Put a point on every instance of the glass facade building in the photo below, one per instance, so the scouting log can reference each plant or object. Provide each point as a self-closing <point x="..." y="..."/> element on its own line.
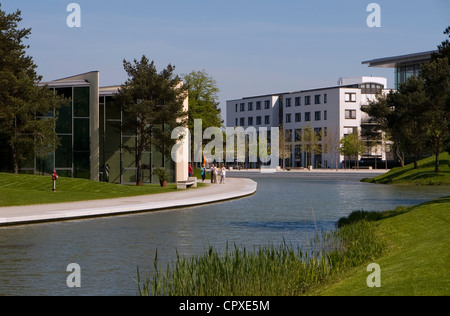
<point x="405" y="66"/>
<point x="93" y="143"/>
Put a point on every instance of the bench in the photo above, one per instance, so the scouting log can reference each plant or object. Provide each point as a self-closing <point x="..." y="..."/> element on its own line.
<point x="190" y="182"/>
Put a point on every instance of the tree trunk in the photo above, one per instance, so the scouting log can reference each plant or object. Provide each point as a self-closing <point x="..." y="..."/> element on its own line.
<point x="15" y="161"/>
<point x="399" y="156"/>
<point x="438" y="151"/>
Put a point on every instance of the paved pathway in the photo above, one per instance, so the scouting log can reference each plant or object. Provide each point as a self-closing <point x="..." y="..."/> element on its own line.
<point x="234" y="188"/>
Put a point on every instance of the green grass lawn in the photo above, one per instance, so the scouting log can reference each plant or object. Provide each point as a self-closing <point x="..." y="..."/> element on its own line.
<point x="417" y="261"/>
<point x="27" y="189"/>
<point x="425" y="175"/>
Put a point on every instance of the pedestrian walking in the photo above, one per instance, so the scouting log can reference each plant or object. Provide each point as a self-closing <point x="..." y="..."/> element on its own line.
<point x="216" y="174"/>
<point x="203" y="173"/>
<point x="212" y="173"/>
<point x="191" y="171"/>
<point x="224" y="173"/>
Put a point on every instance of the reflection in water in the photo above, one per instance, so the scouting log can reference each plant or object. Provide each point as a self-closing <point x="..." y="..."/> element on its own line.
<point x="33" y="259"/>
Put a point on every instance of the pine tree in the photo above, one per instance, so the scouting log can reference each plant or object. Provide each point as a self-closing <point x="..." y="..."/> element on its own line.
<point x="21" y="99"/>
<point x="153" y="103"/>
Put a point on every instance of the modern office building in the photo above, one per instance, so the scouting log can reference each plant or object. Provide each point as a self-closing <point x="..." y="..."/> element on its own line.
<point x="92" y="142"/>
<point x="405" y="65"/>
<point x="330" y="112"/>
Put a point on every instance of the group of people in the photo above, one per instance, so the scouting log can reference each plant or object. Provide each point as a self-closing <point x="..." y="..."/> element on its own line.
<point x="218" y="175"/>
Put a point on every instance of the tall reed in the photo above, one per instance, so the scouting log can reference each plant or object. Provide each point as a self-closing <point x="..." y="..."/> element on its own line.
<point x="282" y="270"/>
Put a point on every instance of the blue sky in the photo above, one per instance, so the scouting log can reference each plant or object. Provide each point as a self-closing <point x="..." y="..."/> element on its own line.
<point x="250" y="47"/>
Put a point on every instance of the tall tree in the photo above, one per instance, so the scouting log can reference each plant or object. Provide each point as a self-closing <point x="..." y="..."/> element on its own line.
<point x="436" y="76"/>
<point x="21" y="99"/>
<point x="153" y="103"/>
<point x="410" y="105"/>
<point x="203" y="101"/>
<point x="310" y="144"/>
<point x="352" y="146"/>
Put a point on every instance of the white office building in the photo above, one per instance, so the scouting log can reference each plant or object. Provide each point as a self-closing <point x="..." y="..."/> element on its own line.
<point x="330" y="112"/>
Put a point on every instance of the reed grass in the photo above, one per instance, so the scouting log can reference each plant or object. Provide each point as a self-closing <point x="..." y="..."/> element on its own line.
<point x="273" y="270"/>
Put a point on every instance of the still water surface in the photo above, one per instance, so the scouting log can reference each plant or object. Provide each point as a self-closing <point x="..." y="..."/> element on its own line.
<point x="33" y="259"/>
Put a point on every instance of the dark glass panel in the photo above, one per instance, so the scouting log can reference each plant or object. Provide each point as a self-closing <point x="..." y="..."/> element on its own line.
<point x="112" y="109"/>
<point x="81" y="165"/>
<point x="81" y="102"/>
<point x="81" y="135"/>
<point x="63" y="154"/>
<point x="64" y="121"/>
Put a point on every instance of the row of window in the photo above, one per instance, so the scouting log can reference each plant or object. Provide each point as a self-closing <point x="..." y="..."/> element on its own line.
<point x="296" y="135"/>
<point x="318" y="98"/>
<point x="307" y="116"/>
<point x="349" y="115"/>
<point x="251" y="122"/>
<point x="258" y="106"/>
<point x="297" y="101"/>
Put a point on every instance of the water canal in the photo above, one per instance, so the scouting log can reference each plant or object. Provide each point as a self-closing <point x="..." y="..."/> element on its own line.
<point x="33" y="259"/>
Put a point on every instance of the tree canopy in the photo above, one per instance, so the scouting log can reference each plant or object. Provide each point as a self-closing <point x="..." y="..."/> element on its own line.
<point x="27" y="112"/>
<point x="154" y="104"/>
<point x="417" y="116"/>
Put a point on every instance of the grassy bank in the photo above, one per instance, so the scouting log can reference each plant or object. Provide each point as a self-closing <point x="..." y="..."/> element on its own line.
<point x="417" y="259"/>
<point x="410" y="244"/>
<point x="27" y="189"/>
<point x="425" y="175"/>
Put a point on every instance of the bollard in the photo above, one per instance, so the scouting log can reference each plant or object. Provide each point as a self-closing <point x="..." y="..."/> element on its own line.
<point x="54" y="178"/>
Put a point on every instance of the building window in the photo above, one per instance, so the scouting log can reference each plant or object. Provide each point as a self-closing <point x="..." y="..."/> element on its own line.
<point x="298" y="135"/>
<point x="350" y="114"/>
<point x="250" y="106"/>
<point x="288" y="118"/>
<point x="325" y="98"/>
<point x="250" y="121"/>
<point x="242" y="107"/>
<point x="318" y="132"/>
<point x="267" y="119"/>
<point x="236" y="108"/>
<point x="317" y="116"/>
<point x="307" y="116"/>
<point x="298" y="117"/>
<point x="258" y="105"/>
<point x="350" y="97"/>
<point x="298" y="101"/>
<point x="371" y="88"/>
<point x="288" y="135"/>
<point x="258" y="120"/>
<point x="325" y="115"/>
<point x="236" y="122"/>
<point x="267" y="104"/>
<point x="307" y="100"/>
<point x="317" y="99"/>
<point x="242" y="123"/>
<point x="288" y="102"/>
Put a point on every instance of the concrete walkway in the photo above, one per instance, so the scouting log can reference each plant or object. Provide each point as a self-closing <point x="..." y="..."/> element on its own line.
<point x="233" y="189"/>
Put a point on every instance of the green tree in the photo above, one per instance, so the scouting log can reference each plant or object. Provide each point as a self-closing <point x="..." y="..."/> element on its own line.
<point x="203" y="101"/>
<point x="436" y="76"/>
<point x="21" y="99"/>
<point x="310" y="143"/>
<point x="154" y="103"/>
<point x="410" y="104"/>
<point x="352" y="146"/>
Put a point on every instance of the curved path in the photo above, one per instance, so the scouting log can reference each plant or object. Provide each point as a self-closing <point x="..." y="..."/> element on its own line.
<point x="233" y="189"/>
